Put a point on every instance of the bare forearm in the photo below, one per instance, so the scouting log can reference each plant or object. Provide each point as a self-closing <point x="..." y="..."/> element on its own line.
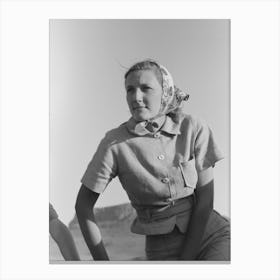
<point x="61" y="234"/>
<point x="86" y="200"/>
<point x="200" y="215"/>
<point x="92" y="237"/>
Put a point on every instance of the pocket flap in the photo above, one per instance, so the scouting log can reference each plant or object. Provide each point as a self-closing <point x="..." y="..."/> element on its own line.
<point x="189" y="172"/>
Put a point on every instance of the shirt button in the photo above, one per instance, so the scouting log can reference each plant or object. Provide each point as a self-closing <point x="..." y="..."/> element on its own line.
<point x="165" y="180"/>
<point x="156" y="135"/>
<point x="161" y="157"/>
<point x="171" y="201"/>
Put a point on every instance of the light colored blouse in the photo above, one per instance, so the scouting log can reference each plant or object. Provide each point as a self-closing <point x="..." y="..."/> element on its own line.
<point x="156" y="169"/>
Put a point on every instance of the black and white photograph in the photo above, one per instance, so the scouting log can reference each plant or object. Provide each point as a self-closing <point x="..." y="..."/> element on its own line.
<point x="148" y="133"/>
<point x="139" y="140"/>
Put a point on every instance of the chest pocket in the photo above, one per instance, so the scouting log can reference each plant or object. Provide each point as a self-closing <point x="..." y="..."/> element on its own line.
<point x="189" y="172"/>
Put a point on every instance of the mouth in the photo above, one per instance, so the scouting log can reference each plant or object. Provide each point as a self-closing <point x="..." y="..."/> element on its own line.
<point x="139" y="107"/>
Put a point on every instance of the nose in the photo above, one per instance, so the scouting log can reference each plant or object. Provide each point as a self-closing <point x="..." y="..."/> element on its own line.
<point x="138" y="95"/>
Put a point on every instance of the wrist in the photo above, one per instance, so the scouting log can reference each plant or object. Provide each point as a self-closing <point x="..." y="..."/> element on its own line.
<point x="99" y="252"/>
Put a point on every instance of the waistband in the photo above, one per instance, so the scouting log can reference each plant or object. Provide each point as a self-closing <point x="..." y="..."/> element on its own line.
<point x="149" y="214"/>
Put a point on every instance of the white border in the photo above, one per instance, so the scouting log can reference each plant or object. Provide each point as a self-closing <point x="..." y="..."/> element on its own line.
<point x="254" y="143"/>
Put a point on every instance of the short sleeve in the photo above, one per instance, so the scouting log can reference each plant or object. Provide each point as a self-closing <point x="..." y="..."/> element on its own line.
<point x="206" y="150"/>
<point x="101" y="169"/>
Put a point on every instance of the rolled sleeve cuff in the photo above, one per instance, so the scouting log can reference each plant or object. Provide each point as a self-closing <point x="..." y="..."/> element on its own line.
<point x="93" y="184"/>
<point x="208" y="162"/>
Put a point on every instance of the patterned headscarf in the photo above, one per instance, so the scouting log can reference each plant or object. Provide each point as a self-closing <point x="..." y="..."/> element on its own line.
<point x="172" y="97"/>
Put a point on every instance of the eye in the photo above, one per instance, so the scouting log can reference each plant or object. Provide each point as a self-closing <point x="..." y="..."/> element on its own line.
<point x="146" y="88"/>
<point x="129" y="89"/>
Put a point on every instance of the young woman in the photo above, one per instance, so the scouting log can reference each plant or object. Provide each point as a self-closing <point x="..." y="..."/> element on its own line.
<point x="164" y="160"/>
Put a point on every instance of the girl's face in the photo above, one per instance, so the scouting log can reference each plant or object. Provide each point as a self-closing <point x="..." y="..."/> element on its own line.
<point x="143" y="94"/>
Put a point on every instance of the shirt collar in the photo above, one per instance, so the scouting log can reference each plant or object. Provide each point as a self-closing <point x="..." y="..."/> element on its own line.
<point x="169" y="127"/>
<point x="130" y="125"/>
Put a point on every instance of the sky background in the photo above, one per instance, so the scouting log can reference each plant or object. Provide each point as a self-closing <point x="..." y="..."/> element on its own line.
<point x="88" y="59"/>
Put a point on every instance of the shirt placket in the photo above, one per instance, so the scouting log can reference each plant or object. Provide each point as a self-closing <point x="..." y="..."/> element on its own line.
<point x="168" y="180"/>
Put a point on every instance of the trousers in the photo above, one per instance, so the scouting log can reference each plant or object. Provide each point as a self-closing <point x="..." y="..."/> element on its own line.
<point x="215" y="245"/>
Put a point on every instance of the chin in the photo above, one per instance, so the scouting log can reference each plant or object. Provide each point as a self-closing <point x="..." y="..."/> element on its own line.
<point x="140" y="118"/>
